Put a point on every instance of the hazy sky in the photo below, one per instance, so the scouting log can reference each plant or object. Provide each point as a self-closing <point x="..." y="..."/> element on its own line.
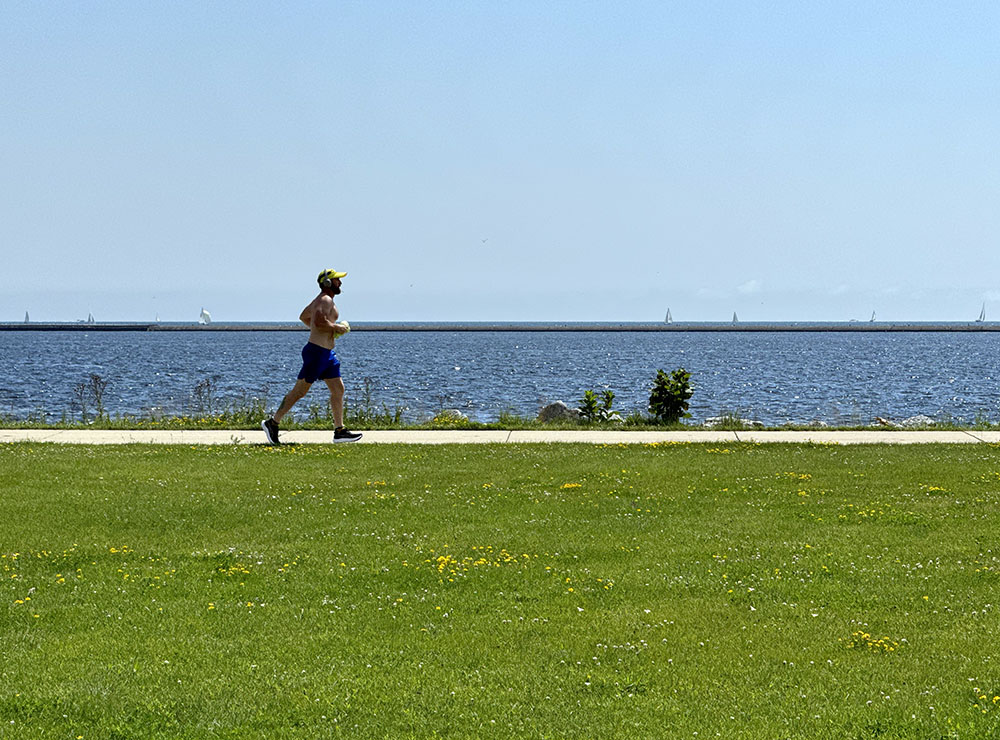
<point x="500" y="160"/>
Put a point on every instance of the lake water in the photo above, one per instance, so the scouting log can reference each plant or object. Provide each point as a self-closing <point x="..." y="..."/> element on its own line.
<point x="775" y="377"/>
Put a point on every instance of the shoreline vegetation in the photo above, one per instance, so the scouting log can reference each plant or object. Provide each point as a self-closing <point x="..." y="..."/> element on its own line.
<point x="206" y="410"/>
<point x="189" y="424"/>
<point x="242" y="419"/>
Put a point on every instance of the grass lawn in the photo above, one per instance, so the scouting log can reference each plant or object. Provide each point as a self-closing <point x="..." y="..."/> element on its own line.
<point x="536" y="591"/>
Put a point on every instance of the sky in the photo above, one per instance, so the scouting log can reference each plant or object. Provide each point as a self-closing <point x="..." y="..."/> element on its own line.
<point x="500" y="161"/>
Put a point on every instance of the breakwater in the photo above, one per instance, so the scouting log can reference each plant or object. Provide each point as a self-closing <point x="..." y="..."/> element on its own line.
<point x="539" y="326"/>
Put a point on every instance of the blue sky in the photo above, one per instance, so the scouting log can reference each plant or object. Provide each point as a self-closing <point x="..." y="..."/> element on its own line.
<point x="500" y="161"/>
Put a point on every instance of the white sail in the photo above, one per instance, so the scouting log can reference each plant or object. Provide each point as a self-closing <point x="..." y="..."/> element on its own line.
<point x="205" y="318"/>
<point x="669" y="318"/>
<point x="982" y="314"/>
<point x="26" y="319"/>
<point x="90" y="318"/>
<point x="734" y="317"/>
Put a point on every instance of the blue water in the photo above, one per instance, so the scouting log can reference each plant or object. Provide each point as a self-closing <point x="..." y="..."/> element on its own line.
<point x="778" y="377"/>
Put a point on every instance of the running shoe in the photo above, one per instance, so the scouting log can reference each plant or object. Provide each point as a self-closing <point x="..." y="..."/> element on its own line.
<point x="270" y="427"/>
<point x="343" y="434"/>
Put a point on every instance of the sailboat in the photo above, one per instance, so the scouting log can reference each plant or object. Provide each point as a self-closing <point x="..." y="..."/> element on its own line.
<point x="205" y="318"/>
<point x="735" y="320"/>
<point x="90" y="318"/>
<point x="872" y="319"/>
<point x="982" y="314"/>
<point x="26" y="319"/>
<point x="669" y="319"/>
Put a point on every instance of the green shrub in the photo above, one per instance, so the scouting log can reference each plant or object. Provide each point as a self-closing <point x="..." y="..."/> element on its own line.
<point x="668" y="401"/>
<point x="588" y="406"/>
<point x="591" y="409"/>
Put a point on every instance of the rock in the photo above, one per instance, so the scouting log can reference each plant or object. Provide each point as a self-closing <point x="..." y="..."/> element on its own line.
<point x="735" y="421"/>
<point x="918" y="421"/>
<point x="450" y="415"/>
<point x="558" y="411"/>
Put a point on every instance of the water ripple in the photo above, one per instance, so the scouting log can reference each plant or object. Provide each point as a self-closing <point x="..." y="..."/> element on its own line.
<point x="838" y="378"/>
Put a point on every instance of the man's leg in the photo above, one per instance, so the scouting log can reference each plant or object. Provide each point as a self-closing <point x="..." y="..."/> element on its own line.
<point x="270" y="426"/>
<point x="336" y="386"/>
<point x="293" y="396"/>
<point x="340" y="434"/>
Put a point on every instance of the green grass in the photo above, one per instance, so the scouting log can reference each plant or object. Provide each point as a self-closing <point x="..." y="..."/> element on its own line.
<point x="549" y="591"/>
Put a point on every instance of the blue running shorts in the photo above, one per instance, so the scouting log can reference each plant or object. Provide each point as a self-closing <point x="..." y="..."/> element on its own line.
<point x="318" y="363"/>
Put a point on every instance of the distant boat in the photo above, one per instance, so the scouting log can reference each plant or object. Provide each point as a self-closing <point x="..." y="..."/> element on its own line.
<point x="669" y="319"/>
<point x="26" y="319"/>
<point x="982" y="314"/>
<point x="205" y="318"/>
<point x="872" y="319"/>
<point x="90" y="318"/>
<point x="735" y="320"/>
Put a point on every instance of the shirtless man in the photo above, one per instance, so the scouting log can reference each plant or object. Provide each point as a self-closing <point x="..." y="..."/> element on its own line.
<point x="318" y="359"/>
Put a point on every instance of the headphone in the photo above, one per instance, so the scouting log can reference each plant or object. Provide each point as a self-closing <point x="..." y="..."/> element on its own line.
<point x="325" y="280"/>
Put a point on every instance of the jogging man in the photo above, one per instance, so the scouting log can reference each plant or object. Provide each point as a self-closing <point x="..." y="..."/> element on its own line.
<point x="318" y="359"/>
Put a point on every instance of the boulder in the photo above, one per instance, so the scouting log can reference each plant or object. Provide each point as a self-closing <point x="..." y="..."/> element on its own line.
<point x="918" y="421"/>
<point x="558" y="411"/>
<point x="450" y="415"/>
<point x="718" y="421"/>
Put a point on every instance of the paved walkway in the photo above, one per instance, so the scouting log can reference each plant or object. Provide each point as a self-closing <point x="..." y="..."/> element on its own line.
<point x="217" y="437"/>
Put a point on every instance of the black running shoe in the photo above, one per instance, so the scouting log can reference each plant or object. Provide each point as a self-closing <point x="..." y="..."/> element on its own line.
<point x="343" y="434"/>
<point x="270" y="427"/>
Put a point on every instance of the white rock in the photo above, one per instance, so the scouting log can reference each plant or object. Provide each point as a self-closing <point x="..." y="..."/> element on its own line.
<point x="717" y="421"/>
<point x="918" y="421"/>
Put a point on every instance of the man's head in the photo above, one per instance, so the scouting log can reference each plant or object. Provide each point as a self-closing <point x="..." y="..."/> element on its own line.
<point x="330" y="280"/>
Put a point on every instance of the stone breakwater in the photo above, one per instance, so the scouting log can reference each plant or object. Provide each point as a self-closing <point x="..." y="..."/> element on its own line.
<point x="693" y="326"/>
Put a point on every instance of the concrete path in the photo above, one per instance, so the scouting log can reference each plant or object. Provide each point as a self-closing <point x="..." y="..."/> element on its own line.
<point x="101" y="436"/>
